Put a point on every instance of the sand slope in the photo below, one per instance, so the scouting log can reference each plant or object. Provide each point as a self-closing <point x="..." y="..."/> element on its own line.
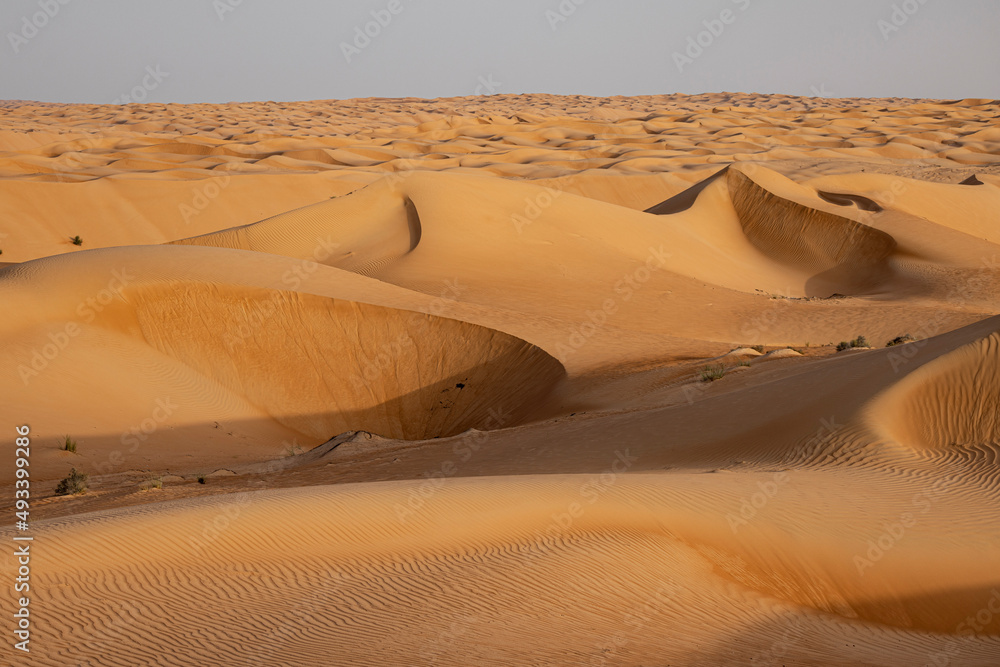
<point x="620" y="566"/>
<point x="510" y="380"/>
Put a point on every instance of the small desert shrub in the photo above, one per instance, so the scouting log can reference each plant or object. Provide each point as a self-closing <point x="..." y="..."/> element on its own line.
<point x="860" y="341"/>
<point x="152" y="483"/>
<point x="745" y="364"/>
<point x="76" y="240"/>
<point x="759" y="348"/>
<point x="69" y="444"/>
<point x="75" y="483"/>
<point x="201" y="479"/>
<point x="900" y="340"/>
<point x="712" y="373"/>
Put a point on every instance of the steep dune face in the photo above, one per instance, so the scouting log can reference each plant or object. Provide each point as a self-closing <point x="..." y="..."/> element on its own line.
<point x="188" y="328"/>
<point x="358" y="232"/>
<point x="573" y="454"/>
<point x="420" y="230"/>
<point x="952" y="403"/>
<point x="844" y="254"/>
<point x="323" y="366"/>
<point x="682" y="201"/>
<point x="579" y="275"/>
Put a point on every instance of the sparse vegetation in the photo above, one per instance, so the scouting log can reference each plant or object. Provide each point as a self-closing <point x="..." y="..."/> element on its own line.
<point x="759" y="348"/>
<point x="76" y="240"/>
<point x="713" y="373"/>
<point x="293" y="449"/>
<point x="75" y="483"/>
<point x="152" y="483"/>
<point x="745" y="364"/>
<point x="900" y="340"/>
<point x="201" y="479"/>
<point x="69" y="445"/>
<point x="860" y="341"/>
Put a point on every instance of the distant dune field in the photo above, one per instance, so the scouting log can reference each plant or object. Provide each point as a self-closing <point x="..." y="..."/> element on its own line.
<point x="507" y="380"/>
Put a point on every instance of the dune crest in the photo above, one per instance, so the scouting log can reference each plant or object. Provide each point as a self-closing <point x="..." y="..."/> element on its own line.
<point x="506" y="380"/>
<point x="847" y="256"/>
<point x="949" y="403"/>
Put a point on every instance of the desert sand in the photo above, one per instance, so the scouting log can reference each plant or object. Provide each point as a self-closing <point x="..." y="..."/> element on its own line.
<point x="508" y="380"/>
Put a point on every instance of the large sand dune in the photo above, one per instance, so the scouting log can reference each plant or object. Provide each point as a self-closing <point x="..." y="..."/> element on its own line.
<point x="431" y="381"/>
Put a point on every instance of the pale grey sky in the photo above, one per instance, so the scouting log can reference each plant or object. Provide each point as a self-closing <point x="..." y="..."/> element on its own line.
<point x="105" y="51"/>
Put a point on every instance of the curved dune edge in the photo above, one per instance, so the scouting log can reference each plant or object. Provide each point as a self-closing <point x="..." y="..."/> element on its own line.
<point x="827" y="510"/>
<point x="793" y="227"/>
<point x="360" y="232"/>
<point x="952" y="402"/>
<point x="325" y="366"/>
<point x="169" y="330"/>
<point x="686" y="199"/>
<point x="414" y="231"/>
<point x="839" y="250"/>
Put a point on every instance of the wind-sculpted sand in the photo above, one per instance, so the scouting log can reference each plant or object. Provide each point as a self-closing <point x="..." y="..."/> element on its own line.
<point x="512" y="380"/>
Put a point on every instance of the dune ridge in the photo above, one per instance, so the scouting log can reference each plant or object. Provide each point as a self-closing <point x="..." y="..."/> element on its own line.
<point x="507" y="380"/>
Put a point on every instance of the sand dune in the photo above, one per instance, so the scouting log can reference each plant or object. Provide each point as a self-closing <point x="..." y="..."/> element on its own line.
<point x="473" y="554"/>
<point x="507" y="380"/>
<point x="187" y="337"/>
